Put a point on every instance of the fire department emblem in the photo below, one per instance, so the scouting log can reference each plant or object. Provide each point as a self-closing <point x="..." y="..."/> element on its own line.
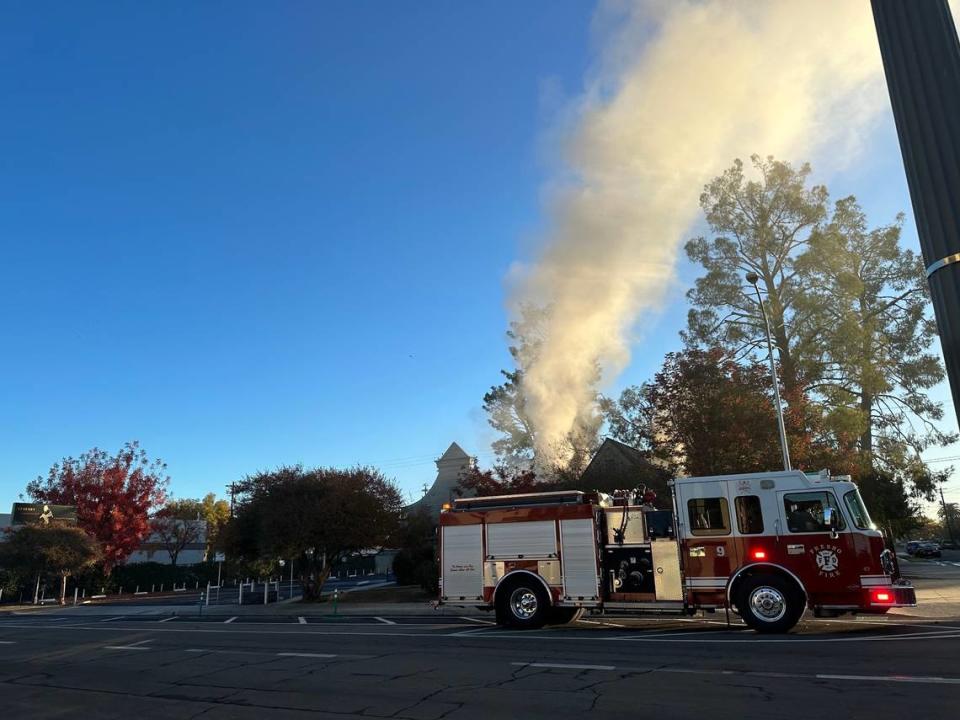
<point x="827" y="558"/>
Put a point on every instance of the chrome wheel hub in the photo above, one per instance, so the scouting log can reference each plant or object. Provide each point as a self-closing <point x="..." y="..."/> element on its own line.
<point x="523" y="603"/>
<point x="768" y="604"/>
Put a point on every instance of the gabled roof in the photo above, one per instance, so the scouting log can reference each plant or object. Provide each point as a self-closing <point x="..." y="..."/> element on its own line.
<point x="630" y="453"/>
<point x="454" y="452"/>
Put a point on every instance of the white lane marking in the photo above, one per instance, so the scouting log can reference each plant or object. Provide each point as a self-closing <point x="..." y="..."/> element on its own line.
<point x="755" y="673"/>
<point x="168" y="619"/>
<point x="474" y="631"/>
<point x="230" y="620"/>
<point x="139" y="645"/>
<point x="302" y="620"/>
<point x="892" y="678"/>
<point x="8" y="642"/>
<point x="119" y="617"/>
<point x="384" y="620"/>
<point x="478" y="620"/>
<point x="567" y="666"/>
<point x="305" y="655"/>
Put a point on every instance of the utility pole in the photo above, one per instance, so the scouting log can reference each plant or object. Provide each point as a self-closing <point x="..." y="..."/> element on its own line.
<point x="946" y="516"/>
<point x="921" y="59"/>
<point x="753" y="278"/>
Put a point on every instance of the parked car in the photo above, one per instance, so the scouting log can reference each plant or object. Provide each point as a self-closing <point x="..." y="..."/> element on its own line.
<point x="912" y="547"/>
<point x="927" y="549"/>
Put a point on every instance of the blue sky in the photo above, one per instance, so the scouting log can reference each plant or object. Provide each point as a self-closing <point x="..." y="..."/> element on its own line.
<point x="251" y="234"/>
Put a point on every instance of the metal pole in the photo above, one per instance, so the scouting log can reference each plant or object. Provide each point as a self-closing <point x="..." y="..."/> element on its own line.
<point x="921" y="60"/>
<point x="946" y="516"/>
<point x="752" y="279"/>
<point x="291" y="577"/>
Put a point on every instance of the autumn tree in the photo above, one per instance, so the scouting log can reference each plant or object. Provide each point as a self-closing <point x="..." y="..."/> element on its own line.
<point x="177" y="525"/>
<point x="759" y="226"/>
<point x="704" y="413"/>
<point x="865" y="300"/>
<point x="216" y="512"/>
<point x="500" y="480"/>
<point x="315" y="517"/>
<point x="115" y="496"/>
<point x="56" y="549"/>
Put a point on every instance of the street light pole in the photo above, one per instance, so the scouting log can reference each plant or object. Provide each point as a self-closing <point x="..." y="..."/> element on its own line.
<point x="752" y="278"/>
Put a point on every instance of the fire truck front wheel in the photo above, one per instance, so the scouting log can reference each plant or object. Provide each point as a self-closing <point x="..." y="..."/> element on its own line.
<point x="522" y="603"/>
<point x="769" y="603"/>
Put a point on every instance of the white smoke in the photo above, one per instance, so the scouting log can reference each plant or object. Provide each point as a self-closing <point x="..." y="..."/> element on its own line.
<point x="681" y="89"/>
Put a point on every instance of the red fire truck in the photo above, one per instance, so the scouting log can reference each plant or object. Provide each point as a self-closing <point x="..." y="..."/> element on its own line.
<point x="766" y="545"/>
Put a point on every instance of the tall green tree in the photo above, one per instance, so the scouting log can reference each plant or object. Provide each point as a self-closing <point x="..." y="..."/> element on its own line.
<point x="315" y="517"/>
<point x="865" y="303"/>
<point x="759" y="226"/>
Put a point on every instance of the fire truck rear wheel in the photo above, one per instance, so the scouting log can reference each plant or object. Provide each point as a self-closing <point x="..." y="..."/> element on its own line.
<point x="522" y="604"/>
<point x="769" y="603"/>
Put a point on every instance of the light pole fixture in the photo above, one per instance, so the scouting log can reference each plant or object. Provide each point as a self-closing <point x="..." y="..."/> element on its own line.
<point x="753" y="278"/>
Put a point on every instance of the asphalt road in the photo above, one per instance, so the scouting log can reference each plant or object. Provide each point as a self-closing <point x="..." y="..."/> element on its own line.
<point x="76" y="665"/>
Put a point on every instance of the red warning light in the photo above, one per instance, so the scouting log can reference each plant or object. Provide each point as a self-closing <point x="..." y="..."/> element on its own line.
<point x="882" y="597"/>
<point x="759" y="554"/>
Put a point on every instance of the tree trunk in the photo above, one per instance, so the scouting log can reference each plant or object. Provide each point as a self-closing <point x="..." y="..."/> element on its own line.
<point x="866" y="437"/>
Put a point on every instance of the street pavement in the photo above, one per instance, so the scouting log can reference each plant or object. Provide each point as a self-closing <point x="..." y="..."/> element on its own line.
<point x="405" y="661"/>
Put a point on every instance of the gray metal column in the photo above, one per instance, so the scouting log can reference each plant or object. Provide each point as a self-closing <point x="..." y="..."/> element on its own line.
<point x="921" y="59"/>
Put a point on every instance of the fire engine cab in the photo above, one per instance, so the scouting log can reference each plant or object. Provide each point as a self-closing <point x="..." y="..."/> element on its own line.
<point x="766" y="545"/>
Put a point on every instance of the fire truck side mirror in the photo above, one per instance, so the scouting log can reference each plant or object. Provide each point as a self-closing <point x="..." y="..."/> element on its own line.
<point x="830" y="520"/>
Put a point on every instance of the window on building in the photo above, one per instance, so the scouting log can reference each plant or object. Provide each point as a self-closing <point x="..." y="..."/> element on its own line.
<point x="709" y="516"/>
<point x="749" y="516"/>
<point x="805" y="512"/>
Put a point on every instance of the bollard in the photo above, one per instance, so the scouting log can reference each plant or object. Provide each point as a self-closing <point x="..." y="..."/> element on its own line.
<point x="137" y="591"/>
<point x="84" y="595"/>
<point x="336" y="596"/>
<point x="208" y="593"/>
<point x="240" y="595"/>
<point x="152" y="588"/>
<point x="200" y="606"/>
<point x="161" y="587"/>
<point x="75" y="591"/>
<point x="265" y="586"/>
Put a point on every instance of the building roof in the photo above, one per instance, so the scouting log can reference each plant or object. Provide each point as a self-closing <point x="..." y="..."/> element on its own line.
<point x="451" y="466"/>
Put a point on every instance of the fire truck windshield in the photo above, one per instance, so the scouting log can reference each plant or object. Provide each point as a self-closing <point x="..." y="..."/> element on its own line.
<point x="858" y="511"/>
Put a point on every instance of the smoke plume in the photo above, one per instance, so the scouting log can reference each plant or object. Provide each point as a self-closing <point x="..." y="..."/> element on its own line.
<point x="680" y="89"/>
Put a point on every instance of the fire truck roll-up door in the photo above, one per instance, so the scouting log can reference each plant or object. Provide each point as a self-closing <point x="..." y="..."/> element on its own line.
<point x="579" y="558"/>
<point x="462" y="558"/>
<point x="519" y="540"/>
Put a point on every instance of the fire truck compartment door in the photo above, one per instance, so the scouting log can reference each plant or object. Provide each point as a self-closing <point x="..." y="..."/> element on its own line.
<point x="462" y="562"/>
<point x="667" y="582"/>
<point x="579" y="557"/>
<point x="531" y="539"/>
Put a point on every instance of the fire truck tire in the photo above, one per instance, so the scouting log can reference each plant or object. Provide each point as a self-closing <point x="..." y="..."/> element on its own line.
<point x="563" y="615"/>
<point x="522" y="603"/>
<point x="769" y="603"/>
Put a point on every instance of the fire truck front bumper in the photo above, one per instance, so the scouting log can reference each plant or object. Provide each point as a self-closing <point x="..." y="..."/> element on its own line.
<point x="881" y="598"/>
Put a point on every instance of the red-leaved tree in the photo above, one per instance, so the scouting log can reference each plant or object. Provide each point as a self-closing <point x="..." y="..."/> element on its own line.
<point x="501" y="480"/>
<point x="114" y="496"/>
